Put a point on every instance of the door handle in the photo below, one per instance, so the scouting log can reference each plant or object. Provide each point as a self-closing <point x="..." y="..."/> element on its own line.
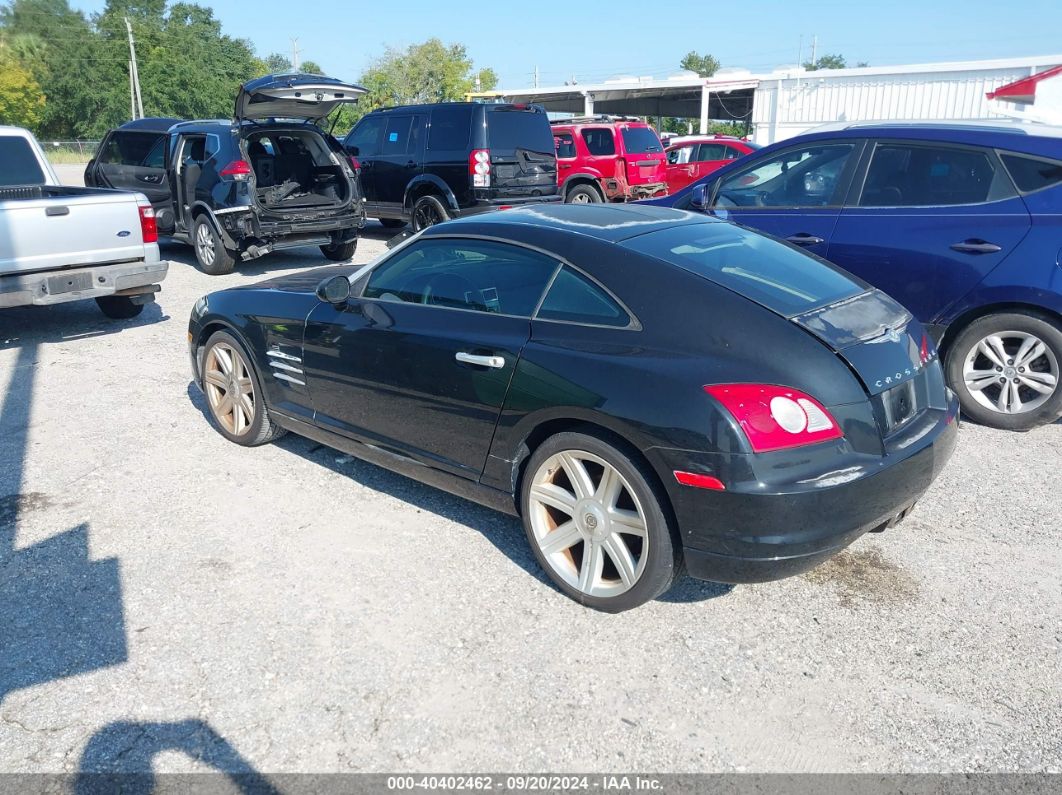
<point x="411" y="164"/>
<point x="804" y="239"/>
<point x="976" y="247"/>
<point x="480" y="361"/>
<point x="53" y="211"/>
<point x="151" y="178"/>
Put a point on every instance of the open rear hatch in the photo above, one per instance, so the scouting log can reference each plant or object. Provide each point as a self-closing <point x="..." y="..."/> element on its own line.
<point x="293" y="96"/>
<point x="523" y="158"/>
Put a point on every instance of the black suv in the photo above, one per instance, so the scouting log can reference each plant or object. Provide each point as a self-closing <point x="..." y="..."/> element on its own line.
<point x="424" y="164"/>
<point x="267" y="180"/>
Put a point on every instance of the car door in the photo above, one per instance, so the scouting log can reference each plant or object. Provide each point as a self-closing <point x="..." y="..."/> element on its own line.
<point x="363" y="142"/>
<point x="420" y="361"/>
<point x="565" y="146"/>
<point x="681" y="170"/>
<point x="928" y="222"/>
<point x="399" y="158"/>
<point x="795" y="194"/>
<point x="600" y="143"/>
<point x="134" y="161"/>
<point x="709" y="158"/>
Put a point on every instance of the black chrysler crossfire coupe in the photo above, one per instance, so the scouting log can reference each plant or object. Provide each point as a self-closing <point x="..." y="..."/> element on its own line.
<point x="647" y="389"/>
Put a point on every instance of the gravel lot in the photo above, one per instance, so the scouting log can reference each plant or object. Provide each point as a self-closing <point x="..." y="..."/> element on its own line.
<point x="166" y="596"/>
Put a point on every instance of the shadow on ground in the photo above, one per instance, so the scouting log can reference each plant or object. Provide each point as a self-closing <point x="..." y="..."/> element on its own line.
<point x="119" y="758"/>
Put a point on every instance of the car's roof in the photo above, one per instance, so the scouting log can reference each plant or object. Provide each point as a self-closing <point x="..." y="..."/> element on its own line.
<point x="484" y="105"/>
<point x="609" y="223"/>
<point x="1030" y="138"/>
<point x="154" y="124"/>
<point x="706" y="139"/>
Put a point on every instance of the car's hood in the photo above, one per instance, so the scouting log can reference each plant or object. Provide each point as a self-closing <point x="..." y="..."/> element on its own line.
<point x="293" y="96"/>
<point x="303" y="281"/>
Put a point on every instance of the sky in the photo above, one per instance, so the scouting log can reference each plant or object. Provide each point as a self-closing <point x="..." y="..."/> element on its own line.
<point x="596" y="41"/>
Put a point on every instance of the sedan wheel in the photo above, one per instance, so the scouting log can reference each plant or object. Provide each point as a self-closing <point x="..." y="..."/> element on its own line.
<point x="234" y="393"/>
<point x="1006" y="370"/>
<point x="596" y="525"/>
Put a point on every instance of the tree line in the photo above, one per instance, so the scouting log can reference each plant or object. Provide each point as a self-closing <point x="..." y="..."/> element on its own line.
<point x="65" y="75"/>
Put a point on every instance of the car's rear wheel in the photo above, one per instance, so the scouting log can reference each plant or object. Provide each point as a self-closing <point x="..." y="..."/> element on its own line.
<point x="234" y="393"/>
<point x="583" y="194"/>
<point x="428" y="211"/>
<point x="340" y="252"/>
<point x="392" y="223"/>
<point x="210" y="252"/>
<point x="1006" y="370"/>
<point x="597" y="524"/>
<point x="119" y="307"/>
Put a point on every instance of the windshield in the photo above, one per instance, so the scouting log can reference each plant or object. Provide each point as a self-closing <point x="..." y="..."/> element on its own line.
<point x="18" y="162"/>
<point x="767" y="271"/>
<point x="639" y="140"/>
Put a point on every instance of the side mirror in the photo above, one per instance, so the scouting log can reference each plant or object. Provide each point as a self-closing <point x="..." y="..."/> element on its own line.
<point x="334" y="290"/>
<point x="699" y="198"/>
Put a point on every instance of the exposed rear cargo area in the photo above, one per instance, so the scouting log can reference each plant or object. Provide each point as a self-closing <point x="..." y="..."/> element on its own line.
<point x="295" y="168"/>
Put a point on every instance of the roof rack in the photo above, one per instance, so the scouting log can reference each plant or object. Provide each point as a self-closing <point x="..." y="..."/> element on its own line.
<point x="592" y="119"/>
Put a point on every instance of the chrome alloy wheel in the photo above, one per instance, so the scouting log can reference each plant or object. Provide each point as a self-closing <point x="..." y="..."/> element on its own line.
<point x="581" y="198"/>
<point x="229" y="388"/>
<point x="1011" y="372"/>
<point x="204" y="245"/>
<point x="588" y="523"/>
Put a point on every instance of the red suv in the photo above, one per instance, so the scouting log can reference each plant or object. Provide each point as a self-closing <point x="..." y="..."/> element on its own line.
<point x="691" y="158"/>
<point x="608" y="158"/>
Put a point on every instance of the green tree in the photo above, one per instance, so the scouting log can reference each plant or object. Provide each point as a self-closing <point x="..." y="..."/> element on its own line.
<point x="704" y="65"/>
<point x="275" y="63"/>
<point x="21" y="99"/>
<point x="311" y="68"/>
<point x="827" y="62"/>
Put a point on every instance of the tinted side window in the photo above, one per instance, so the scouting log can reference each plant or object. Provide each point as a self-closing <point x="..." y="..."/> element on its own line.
<point x="1031" y="173"/>
<point x="450" y="128"/>
<point x="909" y="175"/>
<point x="18" y="163"/>
<point x="474" y="275"/>
<point x="565" y="145"/>
<point x="711" y="152"/>
<point x="130" y="149"/>
<point x="805" y="177"/>
<point x="365" y="137"/>
<point x="576" y="299"/>
<point x="396" y="135"/>
<point x="599" y="141"/>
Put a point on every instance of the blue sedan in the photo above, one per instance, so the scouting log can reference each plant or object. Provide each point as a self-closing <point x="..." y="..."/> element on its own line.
<point x="961" y="224"/>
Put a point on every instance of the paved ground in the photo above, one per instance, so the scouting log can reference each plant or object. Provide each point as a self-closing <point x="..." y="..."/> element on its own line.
<point x="165" y="595"/>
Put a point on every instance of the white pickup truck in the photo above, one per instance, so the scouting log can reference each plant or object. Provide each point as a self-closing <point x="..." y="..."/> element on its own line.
<point x="60" y="243"/>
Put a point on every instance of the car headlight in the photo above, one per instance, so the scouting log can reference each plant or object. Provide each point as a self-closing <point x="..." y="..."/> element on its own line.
<point x="200" y="308"/>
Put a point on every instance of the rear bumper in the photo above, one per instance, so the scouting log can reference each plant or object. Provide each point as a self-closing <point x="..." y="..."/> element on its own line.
<point x="79" y="284"/>
<point x="759" y="532"/>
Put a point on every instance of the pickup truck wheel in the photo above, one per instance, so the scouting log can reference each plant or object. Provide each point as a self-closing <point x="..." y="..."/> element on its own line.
<point x="583" y="194"/>
<point x="234" y="393"/>
<point x="210" y="252"/>
<point x="1007" y="370"/>
<point x="119" y="307"/>
<point x="340" y="252"/>
<point x="428" y="211"/>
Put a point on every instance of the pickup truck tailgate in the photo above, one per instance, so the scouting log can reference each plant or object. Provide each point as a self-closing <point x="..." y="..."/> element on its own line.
<point x="45" y="227"/>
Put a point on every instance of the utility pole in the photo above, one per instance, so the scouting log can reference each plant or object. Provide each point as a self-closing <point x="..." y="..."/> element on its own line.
<point x="132" y="94"/>
<point x="295" y="55"/>
<point x="133" y="74"/>
<point x="814" y="47"/>
<point x="536" y="75"/>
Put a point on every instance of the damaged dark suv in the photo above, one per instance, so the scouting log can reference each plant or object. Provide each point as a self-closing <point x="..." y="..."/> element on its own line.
<point x="270" y="179"/>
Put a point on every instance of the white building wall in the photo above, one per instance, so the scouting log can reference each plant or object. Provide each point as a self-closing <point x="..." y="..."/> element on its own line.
<point x="793" y="103"/>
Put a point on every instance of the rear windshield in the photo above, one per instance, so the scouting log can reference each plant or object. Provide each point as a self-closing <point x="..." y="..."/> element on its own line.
<point x="509" y="130"/>
<point x="18" y="163"/>
<point x="639" y="140"/>
<point x="769" y="272"/>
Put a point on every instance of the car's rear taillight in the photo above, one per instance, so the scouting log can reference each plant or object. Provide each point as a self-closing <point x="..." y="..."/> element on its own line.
<point x="149" y="230"/>
<point x="776" y="417"/>
<point x="479" y="168"/>
<point x="355" y="164"/>
<point x="237" y="169"/>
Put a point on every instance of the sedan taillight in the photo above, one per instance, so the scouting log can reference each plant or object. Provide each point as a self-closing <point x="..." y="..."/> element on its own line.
<point x="149" y="230"/>
<point x="776" y="417"/>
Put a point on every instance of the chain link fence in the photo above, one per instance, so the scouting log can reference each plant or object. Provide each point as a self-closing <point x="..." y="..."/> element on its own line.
<point x="66" y="152"/>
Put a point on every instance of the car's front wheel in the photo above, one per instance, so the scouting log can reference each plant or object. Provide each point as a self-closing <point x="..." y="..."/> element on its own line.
<point x="596" y="523"/>
<point x="340" y="252"/>
<point x="1005" y="369"/>
<point x="234" y="393"/>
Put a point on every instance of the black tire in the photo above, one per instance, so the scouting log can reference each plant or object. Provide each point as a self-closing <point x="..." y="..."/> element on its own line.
<point x="428" y="211"/>
<point x="583" y="194"/>
<point x="340" y="252"/>
<point x="966" y="344"/>
<point x="392" y="223"/>
<point x="261" y="429"/>
<point x="663" y="554"/>
<point x="223" y="260"/>
<point x="119" y="307"/>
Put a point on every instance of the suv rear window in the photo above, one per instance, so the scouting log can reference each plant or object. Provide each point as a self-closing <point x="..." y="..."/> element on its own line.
<point x="18" y="162"/>
<point x="639" y="140"/>
<point x="764" y="270"/>
<point x="509" y="130"/>
<point x="1030" y="173"/>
